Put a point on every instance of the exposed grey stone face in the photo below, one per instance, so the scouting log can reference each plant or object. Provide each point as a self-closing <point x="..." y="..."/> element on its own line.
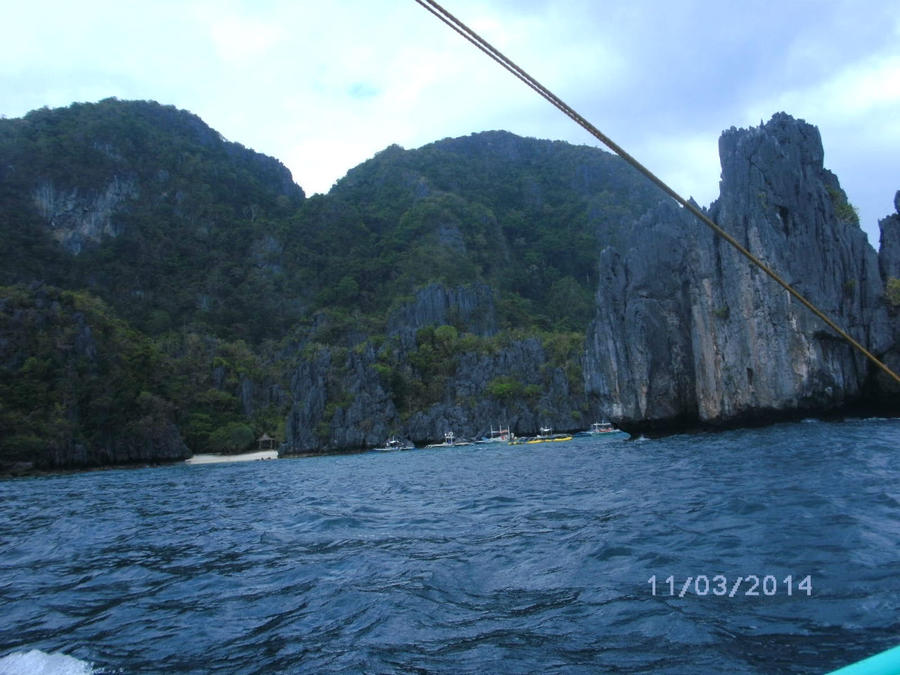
<point x="370" y="415"/>
<point x="78" y="217"/>
<point x="687" y="328"/>
<point x="889" y="250"/>
<point x="889" y="262"/>
<point x="435" y="304"/>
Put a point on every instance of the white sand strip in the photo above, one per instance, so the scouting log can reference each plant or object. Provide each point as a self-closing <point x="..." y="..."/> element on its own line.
<point x="218" y="459"/>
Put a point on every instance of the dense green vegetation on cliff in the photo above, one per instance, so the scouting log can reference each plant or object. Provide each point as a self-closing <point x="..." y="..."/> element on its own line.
<point x="153" y="211"/>
<point x="157" y="276"/>
<point x="77" y="380"/>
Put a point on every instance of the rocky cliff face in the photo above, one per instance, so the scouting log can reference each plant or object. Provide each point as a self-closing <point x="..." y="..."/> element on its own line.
<point x="78" y="217"/>
<point x="516" y="385"/>
<point x="434" y="305"/>
<point x="889" y="248"/>
<point x="364" y="413"/>
<point x="78" y="387"/>
<point x="443" y="289"/>
<point x="688" y="330"/>
<point x="356" y="398"/>
<point x="339" y="402"/>
<point x="889" y="262"/>
<point x="88" y="168"/>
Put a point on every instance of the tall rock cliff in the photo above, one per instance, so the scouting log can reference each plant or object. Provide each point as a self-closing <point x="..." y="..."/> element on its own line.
<point x="889" y="261"/>
<point x="173" y="292"/>
<point x="889" y="247"/>
<point x="688" y="330"/>
<point x="441" y="367"/>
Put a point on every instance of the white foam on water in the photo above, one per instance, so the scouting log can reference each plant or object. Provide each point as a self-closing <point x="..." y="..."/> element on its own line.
<point x="36" y="662"/>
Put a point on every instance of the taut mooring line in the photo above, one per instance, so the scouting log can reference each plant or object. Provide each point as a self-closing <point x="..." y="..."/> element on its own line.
<point x="509" y="65"/>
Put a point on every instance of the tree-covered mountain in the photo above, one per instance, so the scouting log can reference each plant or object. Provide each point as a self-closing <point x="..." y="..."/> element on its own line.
<point x="152" y="210"/>
<point x="165" y="291"/>
<point x="195" y="247"/>
<point x="145" y="206"/>
<point x="528" y="217"/>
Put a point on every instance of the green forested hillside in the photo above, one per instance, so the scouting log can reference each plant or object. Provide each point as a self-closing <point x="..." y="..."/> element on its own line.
<point x="208" y="274"/>
<point x="527" y="216"/>
<point x="182" y="204"/>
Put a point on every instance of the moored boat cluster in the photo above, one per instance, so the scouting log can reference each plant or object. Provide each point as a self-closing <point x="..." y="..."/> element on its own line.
<point x="505" y="436"/>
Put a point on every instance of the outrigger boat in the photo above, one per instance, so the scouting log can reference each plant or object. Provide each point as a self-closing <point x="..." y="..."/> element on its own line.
<point x="393" y="444"/>
<point x="449" y="442"/>
<point x="500" y="435"/>
<point x="602" y="428"/>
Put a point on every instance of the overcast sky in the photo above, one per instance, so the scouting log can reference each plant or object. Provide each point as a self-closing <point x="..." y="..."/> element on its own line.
<point x="323" y="85"/>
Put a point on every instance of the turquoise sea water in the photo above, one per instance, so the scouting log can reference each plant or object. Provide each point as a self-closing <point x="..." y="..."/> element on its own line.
<point x="751" y="551"/>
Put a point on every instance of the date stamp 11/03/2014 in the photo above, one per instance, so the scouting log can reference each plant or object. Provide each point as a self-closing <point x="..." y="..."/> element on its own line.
<point x="720" y="585"/>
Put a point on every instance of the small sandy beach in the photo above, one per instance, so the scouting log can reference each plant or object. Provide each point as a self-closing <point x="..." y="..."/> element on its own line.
<point x="246" y="457"/>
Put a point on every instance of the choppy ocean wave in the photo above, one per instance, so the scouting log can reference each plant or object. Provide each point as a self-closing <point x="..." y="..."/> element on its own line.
<point x="36" y="662"/>
<point x="764" y="550"/>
